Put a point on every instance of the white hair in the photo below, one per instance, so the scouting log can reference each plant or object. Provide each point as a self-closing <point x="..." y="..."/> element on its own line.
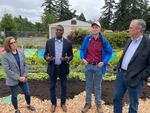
<point x="141" y="24"/>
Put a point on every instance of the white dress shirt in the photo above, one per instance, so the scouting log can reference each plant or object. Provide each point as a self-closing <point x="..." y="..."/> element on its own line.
<point x="58" y="50"/>
<point x="130" y="52"/>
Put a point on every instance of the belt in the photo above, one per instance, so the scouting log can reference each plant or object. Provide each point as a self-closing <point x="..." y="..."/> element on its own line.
<point x="122" y="70"/>
<point x="93" y="63"/>
<point x="57" y="65"/>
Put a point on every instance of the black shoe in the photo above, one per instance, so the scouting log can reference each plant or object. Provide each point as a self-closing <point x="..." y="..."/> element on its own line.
<point x="17" y="111"/>
<point x="31" y="108"/>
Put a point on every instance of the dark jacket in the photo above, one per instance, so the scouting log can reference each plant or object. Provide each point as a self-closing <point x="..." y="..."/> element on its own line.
<point x="67" y="50"/>
<point x="139" y="66"/>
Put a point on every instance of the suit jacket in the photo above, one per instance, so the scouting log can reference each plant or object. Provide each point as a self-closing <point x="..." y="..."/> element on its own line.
<point x="139" y="66"/>
<point x="12" y="69"/>
<point x="67" y="50"/>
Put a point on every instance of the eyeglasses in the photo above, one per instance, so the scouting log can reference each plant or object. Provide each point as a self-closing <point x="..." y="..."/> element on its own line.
<point x="59" y="29"/>
<point x="12" y="42"/>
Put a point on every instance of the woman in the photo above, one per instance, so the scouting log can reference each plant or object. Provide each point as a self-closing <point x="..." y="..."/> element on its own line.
<point x="14" y="64"/>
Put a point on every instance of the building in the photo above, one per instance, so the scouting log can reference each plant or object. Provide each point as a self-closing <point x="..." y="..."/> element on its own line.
<point x="69" y="25"/>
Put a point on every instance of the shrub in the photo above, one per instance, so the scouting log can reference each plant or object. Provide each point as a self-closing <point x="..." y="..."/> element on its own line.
<point x="117" y="39"/>
<point x="77" y="35"/>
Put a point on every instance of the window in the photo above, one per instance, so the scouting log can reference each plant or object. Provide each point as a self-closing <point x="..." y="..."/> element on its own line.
<point x="73" y="22"/>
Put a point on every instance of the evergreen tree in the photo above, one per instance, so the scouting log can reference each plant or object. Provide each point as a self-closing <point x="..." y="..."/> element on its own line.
<point x="51" y="7"/>
<point x="107" y="15"/>
<point x="146" y="14"/>
<point x="59" y="9"/>
<point x="128" y="10"/>
<point x="82" y="17"/>
<point x="64" y="12"/>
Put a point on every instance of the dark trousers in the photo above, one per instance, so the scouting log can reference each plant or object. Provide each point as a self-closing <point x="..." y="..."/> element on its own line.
<point x="14" y="92"/>
<point x="122" y="86"/>
<point x="53" y="81"/>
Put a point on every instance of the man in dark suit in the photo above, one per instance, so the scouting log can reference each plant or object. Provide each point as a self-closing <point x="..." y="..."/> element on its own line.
<point x="58" y="53"/>
<point x="133" y="67"/>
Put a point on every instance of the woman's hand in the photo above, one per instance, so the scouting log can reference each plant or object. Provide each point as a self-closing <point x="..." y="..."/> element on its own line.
<point x="22" y="78"/>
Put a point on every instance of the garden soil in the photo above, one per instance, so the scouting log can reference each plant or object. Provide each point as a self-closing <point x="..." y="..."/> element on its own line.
<point x="76" y="97"/>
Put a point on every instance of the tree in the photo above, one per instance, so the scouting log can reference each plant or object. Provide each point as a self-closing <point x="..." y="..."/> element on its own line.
<point x="19" y="23"/>
<point x="82" y="17"/>
<point x="59" y="9"/>
<point x="128" y="10"/>
<point x="2" y="35"/>
<point x="47" y="19"/>
<point x="8" y="25"/>
<point x="24" y="27"/>
<point x="107" y="15"/>
<point x="51" y="7"/>
<point x="0" y="26"/>
<point x="146" y="14"/>
<point x="38" y="26"/>
<point x="64" y="11"/>
<point x="147" y="19"/>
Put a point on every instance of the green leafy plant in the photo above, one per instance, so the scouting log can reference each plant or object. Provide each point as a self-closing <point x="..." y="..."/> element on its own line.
<point x="38" y="76"/>
<point x="36" y="60"/>
<point x="79" y="75"/>
<point x="109" y="77"/>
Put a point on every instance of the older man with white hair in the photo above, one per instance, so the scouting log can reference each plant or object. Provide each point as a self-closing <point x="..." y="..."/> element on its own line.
<point x="95" y="53"/>
<point x="133" y="67"/>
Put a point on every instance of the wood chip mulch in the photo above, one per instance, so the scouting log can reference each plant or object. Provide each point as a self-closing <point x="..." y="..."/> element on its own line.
<point x="74" y="105"/>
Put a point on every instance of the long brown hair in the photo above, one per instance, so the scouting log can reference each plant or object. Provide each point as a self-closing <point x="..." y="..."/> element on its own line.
<point x="7" y="43"/>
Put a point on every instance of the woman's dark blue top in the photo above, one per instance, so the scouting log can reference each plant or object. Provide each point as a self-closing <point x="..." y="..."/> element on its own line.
<point x="16" y="56"/>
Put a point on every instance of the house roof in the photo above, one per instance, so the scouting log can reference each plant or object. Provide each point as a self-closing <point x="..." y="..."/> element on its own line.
<point x="71" y="22"/>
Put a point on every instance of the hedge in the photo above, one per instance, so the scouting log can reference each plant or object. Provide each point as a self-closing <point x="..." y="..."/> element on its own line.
<point x="116" y="39"/>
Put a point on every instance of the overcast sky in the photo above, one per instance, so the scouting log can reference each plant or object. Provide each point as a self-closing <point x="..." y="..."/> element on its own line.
<point x="32" y="8"/>
<point x="26" y="8"/>
<point x="90" y="8"/>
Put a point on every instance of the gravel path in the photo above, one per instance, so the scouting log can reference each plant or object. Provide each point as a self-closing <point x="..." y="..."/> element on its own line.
<point x="74" y="105"/>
